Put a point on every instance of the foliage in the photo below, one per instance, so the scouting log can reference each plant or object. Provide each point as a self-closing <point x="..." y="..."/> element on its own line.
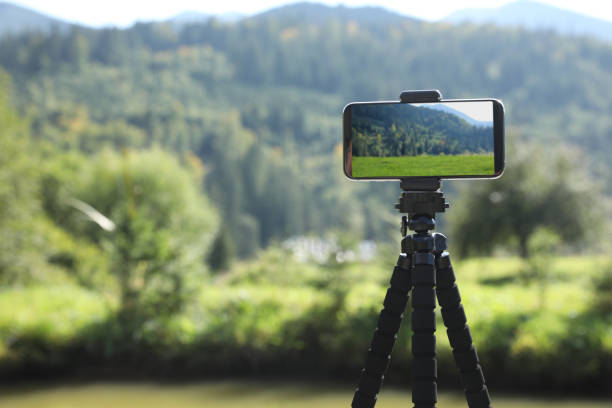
<point x="221" y="252"/>
<point x="281" y="321"/>
<point x="164" y="226"/>
<point x="39" y="320"/>
<point x="146" y="128"/>
<point x="158" y="232"/>
<point x="405" y="130"/>
<point x="258" y="102"/>
<point x="19" y="249"/>
<point x="542" y="244"/>
<point x="602" y="288"/>
<point x="32" y="248"/>
<point x="532" y="194"/>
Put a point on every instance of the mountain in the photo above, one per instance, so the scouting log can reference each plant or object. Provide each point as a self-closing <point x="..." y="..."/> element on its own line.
<point x="258" y="102"/>
<point x="407" y="130"/>
<point x="189" y="17"/>
<point x="16" y="19"/>
<point x="320" y="52"/>
<point x="315" y="13"/>
<point x="194" y="17"/>
<point x="534" y="15"/>
<point x="467" y="118"/>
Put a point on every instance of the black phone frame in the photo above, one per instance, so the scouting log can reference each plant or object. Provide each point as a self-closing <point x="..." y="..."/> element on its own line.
<point x="433" y="96"/>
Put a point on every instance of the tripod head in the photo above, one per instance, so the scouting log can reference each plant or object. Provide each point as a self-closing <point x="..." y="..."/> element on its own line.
<point x="421" y="196"/>
<point x="421" y="199"/>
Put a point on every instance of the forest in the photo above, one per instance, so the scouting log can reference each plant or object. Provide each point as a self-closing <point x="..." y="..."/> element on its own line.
<point x="152" y="178"/>
<point x="399" y="130"/>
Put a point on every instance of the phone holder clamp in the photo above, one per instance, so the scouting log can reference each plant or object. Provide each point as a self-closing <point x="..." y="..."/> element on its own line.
<point x="430" y="95"/>
<point x="424" y="183"/>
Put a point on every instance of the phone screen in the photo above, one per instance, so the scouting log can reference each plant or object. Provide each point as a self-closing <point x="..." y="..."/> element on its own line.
<point x="449" y="139"/>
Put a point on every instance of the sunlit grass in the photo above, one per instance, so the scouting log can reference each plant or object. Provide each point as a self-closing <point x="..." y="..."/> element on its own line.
<point x="229" y="394"/>
<point x="267" y="308"/>
<point x="430" y="165"/>
<point x="55" y="313"/>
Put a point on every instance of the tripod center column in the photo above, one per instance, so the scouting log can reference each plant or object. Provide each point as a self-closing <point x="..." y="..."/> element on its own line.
<point x="420" y="246"/>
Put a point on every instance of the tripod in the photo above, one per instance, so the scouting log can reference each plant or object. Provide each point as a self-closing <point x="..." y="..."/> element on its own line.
<point x="423" y="269"/>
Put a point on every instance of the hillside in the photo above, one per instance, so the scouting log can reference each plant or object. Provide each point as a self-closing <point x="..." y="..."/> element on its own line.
<point x="173" y="207"/>
<point x="537" y="16"/>
<point x="315" y="13"/>
<point x="258" y="102"/>
<point x="195" y="17"/>
<point x="15" y="19"/>
<point x="401" y="130"/>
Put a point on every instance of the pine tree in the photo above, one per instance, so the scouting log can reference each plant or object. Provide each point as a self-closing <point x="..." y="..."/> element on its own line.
<point x="222" y="252"/>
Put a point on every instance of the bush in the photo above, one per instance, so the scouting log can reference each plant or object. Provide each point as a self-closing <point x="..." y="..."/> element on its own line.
<point x="164" y="226"/>
<point x="282" y="321"/>
<point x="21" y="257"/>
<point x="37" y="322"/>
<point x="602" y="288"/>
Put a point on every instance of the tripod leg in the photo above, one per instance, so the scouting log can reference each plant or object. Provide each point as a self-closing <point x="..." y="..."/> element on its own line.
<point x="379" y="353"/>
<point x="424" y="367"/>
<point x="454" y="318"/>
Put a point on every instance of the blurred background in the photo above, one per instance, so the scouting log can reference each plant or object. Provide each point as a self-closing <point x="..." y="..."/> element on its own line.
<point x="176" y="230"/>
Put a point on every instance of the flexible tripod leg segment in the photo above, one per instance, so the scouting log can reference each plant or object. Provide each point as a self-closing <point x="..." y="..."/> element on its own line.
<point x="458" y="331"/>
<point x="424" y="366"/>
<point x="425" y="264"/>
<point x="379" y="353"/>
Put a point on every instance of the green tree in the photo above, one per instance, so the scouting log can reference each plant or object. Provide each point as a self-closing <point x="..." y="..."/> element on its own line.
<point x="111" y="47"/>
<point x="222" y="251"/>
<point x="33" y="248"/>
<point x="554" y="193"/>
<point x="77" y="49"/>
<point x="20" y="251"/>
<point x="542" y="245"/>
<point x="601" y="285"/>
<point x="163" y="227"/>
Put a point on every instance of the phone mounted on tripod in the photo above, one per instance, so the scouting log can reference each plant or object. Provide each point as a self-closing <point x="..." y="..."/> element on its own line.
<point x="423" y="272"/>
<point x="423" y="136"/>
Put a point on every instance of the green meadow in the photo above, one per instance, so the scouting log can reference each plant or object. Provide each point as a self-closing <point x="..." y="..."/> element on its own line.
<point x="276" y="315"/>
<point x="451" y="165"/>
<point x="234" y="394"/>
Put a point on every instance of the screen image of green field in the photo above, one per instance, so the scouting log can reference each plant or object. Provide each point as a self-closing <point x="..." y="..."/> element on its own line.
<point x="405" y="140"/>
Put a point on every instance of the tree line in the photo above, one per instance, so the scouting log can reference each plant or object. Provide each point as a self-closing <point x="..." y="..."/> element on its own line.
<point x="403" y="130"/>
<point x="257" y="104"/>
<point x="137" y="162"/>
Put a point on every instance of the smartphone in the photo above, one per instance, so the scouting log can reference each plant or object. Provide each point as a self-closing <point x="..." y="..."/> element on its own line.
<point x="449" y="139"/>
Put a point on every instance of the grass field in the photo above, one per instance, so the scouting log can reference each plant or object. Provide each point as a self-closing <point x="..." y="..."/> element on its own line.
<point x="456" y="165"/>
<point x="522" y="330"/>
<point x="233" y="394"/>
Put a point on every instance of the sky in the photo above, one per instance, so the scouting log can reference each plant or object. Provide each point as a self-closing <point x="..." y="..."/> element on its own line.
<point x="123" y="13"/>
<point x="481" y="110"/>
<point x="477" y="110"/>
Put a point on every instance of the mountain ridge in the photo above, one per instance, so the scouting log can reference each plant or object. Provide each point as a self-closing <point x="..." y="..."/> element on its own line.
<point x="310" y="12"/>
<point x="532" y="15"/>
<point x="16" y="19"/>
<point x="448" y="109"/>
<point x="195" y="17"/>
<point x="535" y="16"/>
